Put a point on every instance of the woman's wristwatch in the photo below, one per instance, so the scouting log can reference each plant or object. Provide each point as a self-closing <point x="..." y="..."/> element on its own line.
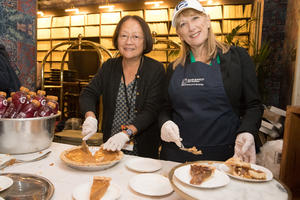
<point x="127" y="131"/>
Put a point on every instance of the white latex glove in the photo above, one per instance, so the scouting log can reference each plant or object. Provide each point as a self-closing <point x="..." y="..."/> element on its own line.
<point x="245" y="147"/>
<point x="89" y="127"/>
<point x="116" y="142"/>
<point x="170" y="133"/>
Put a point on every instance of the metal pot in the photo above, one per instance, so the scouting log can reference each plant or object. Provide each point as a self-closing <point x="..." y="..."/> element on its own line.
<point x="26" y="135"/>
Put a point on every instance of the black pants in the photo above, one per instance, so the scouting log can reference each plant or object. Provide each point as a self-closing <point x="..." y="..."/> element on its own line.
<point x="171" y="152"/>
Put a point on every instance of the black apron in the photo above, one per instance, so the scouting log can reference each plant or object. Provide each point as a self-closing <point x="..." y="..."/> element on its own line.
<point x="202" y="112"/>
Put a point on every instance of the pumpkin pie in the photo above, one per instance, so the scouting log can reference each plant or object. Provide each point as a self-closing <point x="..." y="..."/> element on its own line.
<point x="77" y="156"/>
<point x="99" y="187"/>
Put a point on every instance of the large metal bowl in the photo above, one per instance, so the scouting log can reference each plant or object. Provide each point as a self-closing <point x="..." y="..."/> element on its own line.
<point x="28" y="135"/>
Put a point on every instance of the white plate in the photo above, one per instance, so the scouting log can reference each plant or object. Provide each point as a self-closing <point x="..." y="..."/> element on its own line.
<point x="5" y="182"/>
<point x="82" y="192"/>
<point x="151" y="184"/>
<point x="1" y="198"/>
<point x="144" y="164"/>
<point x="269" y="174"/>
<point x="218" y="179"/>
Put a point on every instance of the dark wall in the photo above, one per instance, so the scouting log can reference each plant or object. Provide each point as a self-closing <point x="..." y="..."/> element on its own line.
<point x="18" y="35"/>
<point x="273" y="30"/>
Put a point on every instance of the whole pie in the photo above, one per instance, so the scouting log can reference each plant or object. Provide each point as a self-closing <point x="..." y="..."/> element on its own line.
<point x="76" y="156"/>
<point x="99" y="187"/>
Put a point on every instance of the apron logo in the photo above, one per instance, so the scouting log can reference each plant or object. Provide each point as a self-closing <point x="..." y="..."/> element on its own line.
<point x="192" y="82"/>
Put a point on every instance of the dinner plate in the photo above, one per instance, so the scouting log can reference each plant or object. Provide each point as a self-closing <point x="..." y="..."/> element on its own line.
<point x="1" y="198"/>
<point x="89" y="166"/>
<point x="151" y="184"/>
<point x="5" y="182"/>
<point x="269" y="174"/>
<point x="82" y="192"/>
<point x="218" y="179"/>
<point x="143" y="164"/>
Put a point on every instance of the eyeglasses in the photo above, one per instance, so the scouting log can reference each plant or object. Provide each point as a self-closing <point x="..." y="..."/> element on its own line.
<point x="135" y="38"/>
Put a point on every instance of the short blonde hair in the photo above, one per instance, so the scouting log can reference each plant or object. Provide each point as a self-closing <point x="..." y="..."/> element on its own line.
<point x="211" y="43"/>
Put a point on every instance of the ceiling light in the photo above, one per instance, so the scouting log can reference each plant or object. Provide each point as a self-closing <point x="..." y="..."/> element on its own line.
<point x="76" y="10"/>
<point x="155" y="3"/>
<point x="40" y="13"/>
<point x="110" y="7"/>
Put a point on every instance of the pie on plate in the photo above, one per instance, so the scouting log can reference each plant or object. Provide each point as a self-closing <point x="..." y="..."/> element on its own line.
<point x="215" y="180"/>
<point x="99" y="187"/>
<point x="200" y="173"/>
<point x="83" y="191"/>
<point x="244" y="170"/>
<point x="97" y="159"/>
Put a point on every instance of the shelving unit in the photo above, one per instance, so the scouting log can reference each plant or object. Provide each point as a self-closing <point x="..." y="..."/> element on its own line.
<point x="99" y="28"/>
<point x="62" y="82"/>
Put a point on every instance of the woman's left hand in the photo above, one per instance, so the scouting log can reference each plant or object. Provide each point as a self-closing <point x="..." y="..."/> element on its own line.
<point x="245" y="147"/>
<point x="116" y="142"/>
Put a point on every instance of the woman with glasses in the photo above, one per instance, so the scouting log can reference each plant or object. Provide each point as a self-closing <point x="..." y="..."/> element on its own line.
<point x="212" y="101"/>
<point x="131" y="87"/>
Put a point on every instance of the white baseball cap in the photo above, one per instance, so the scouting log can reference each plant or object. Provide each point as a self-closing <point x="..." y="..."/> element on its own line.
<point x="181" y="6"/>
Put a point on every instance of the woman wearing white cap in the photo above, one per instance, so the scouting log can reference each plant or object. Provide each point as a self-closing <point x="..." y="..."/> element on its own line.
<point x="212" y="101"/>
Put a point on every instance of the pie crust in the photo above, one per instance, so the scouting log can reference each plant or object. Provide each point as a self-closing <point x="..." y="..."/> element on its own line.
<point x="77" y="157"/>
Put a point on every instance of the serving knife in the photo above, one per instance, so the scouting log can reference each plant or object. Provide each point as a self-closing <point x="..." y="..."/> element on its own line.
<point x="13" y="160"/>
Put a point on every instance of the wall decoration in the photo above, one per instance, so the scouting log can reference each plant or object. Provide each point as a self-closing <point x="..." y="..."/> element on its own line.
<point x="18" y="35"/>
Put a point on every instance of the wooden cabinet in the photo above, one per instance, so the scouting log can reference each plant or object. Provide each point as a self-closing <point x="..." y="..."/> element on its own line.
<point x="290" y="163"/>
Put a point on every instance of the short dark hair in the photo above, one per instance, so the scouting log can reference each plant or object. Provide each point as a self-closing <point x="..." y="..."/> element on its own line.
<point x="148" y="41"/>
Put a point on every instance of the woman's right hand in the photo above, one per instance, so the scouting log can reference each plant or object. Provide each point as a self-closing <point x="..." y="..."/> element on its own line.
<point x="89" y="126"/>
<point x="170" y="133"/>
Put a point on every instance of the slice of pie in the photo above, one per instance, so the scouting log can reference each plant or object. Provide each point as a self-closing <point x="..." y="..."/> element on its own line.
<point x="99" y="187"/>
<point x="200" y="173"/>
<point x="243" y="169"/>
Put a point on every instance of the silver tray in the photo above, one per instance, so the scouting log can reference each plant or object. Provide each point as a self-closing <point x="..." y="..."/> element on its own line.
<point x="28" y="186"/>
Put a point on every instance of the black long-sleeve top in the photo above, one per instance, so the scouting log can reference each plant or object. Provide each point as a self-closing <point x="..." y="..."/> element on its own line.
<point x="149" y="97"/>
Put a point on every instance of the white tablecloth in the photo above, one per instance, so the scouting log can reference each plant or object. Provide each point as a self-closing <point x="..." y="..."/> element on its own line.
<point x="65" y="179"/>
